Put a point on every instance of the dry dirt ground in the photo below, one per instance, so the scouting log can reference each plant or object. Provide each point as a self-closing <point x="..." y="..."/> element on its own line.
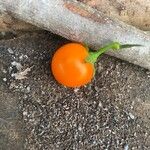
<point x="36" y="113"/>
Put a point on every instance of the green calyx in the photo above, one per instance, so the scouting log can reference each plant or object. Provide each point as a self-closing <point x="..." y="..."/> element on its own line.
<point x="93" y="56"/>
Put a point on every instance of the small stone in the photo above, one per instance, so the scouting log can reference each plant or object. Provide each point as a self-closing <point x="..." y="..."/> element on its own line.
<point x="25" y="113"/>
<point x="43" y="92"/>
<point x="21" y="57"/>
<point x="21" y="75"/>
<point x="25" y="56"/>
<point x="10" y="51"/>
<point x="4" y="79"/>
<point x="25" y="97"/>
<point x="100" y="67"/>
<point x="4" y="71"/>
<point x="17" y="65"/>
<point x="97" y="89"/>
<point x="126" y="147"/>
<point x="13" y="75"/>
<point x="28" y="89"/>
<point x="10" y="69"/>
<point x="12" y="85"/>
<point x="3" y="33"/>
<point x="100" y="104"/>
<point x="76" y="90"/>
<point x="131" y="116"/>
<point x="80" y="129"/>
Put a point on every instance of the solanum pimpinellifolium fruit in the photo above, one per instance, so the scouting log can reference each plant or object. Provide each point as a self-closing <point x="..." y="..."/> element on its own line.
<point x="73" y="64"/>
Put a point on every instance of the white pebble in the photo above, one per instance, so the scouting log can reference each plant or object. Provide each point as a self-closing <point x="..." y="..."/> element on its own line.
<point x="76" y="90"/>
<point x="4" y="71"/>
<point x="126" y="147"/>
<point x="21" y="75"/>
<point x="13" y="75"/>
<point x="10" y="69"/>
<point x="131" y="116"/>
<point x="23" y="57"/>
<point x="10" y="51"/>
<point x="28" y="89"/>
<point x="25" y="113"/>
<point x="43" y="92"/>
<point x="4" y="79"/>
<point x="80" y="129"/>
<point x="17" y="65"/>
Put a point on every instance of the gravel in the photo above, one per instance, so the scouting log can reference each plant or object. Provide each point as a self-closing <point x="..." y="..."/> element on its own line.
<point x="110" y="113"/>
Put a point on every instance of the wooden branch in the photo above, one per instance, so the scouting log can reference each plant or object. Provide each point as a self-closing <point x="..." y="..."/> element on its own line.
<point x="133" y="12"/>
<point x="81" y="23"/>
<point x="136" y="13"/>
<point x="9" y="23"/>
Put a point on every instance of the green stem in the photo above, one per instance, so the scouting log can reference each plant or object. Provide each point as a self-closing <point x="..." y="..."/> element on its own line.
<point x="93" y="56"/>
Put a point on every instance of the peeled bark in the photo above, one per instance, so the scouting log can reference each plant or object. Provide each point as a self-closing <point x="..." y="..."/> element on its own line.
<point x="136" y="13"/>
<point x="81" y="23"/>
<point x="9" y="23"/>
<point x="133" y="12"/>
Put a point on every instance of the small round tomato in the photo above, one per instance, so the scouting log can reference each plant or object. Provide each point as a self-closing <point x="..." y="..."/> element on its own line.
<point x="69" y="66"/>
<point x="73" y="64"/>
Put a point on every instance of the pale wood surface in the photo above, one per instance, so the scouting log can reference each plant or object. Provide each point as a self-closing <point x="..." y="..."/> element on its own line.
<point x="76" y="21"/>
<point x="133" y="12"/>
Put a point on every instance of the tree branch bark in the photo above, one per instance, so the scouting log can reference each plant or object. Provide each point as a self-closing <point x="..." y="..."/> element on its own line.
<point x="133" y="12"/>
<point x="76" y="21"/>
<point x="9" y="23"/>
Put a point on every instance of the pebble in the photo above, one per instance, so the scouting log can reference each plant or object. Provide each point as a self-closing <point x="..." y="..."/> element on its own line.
<point x="4" y="79"/>
<point x="131" y="116"/>
<point x="10" y="51"/>
<point x="76" y="90"/>
<point x="17" y="65"/>
<point x="126" y="147"/>
<point x="10" y="69"/>
<point x="43" y="92"/>
<point x="4" y="71"/>
<point x="28" y="89"/>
